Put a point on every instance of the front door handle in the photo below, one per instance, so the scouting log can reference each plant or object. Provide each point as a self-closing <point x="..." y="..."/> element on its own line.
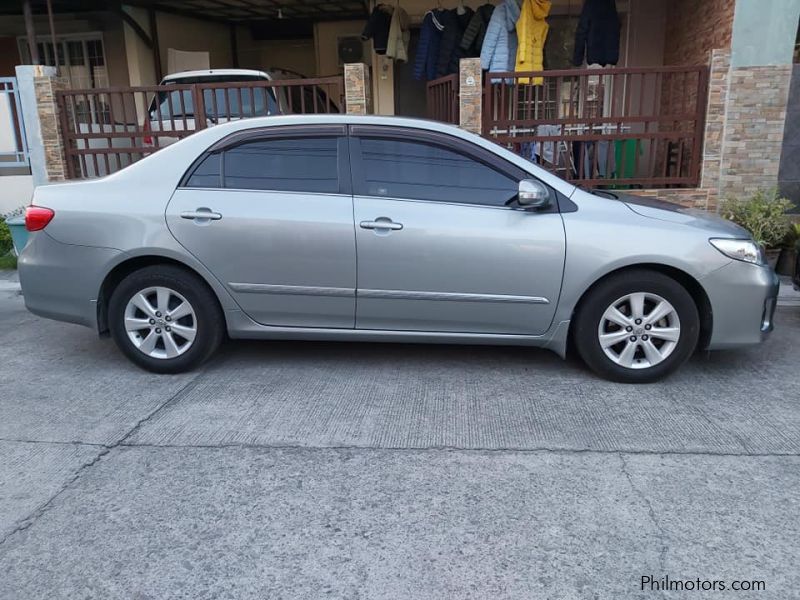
<point x="205" y="214"/>
<point x="381" y="223"/>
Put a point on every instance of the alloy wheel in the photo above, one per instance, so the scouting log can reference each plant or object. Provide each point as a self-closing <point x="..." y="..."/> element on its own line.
<point x="639" y="330"/>
<point x="160" y="322"/>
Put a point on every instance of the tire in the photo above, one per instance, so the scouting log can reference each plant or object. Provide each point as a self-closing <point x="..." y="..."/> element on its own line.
<point x="637" y="346"/>
<point x="151" y="338"/>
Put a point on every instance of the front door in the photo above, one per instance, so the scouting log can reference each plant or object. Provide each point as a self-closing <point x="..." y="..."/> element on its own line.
<point x="438" y="247"/>
<point x="272" y="218"/>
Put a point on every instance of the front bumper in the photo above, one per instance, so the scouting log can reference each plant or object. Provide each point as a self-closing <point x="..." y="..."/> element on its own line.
<point x="62" y="281"/>
<point x="743" y="297"/>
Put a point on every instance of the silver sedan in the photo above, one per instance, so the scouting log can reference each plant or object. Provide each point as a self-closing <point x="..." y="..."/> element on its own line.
<point x="384" y="229"/>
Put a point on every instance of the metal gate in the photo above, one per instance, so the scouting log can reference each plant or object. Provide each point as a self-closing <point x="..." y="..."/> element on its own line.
<point x="106" y="129"/>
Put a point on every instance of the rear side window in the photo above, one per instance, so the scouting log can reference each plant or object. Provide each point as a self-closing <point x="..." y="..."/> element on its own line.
<point x="307" y="164"/>
<point x="417" y="170"/>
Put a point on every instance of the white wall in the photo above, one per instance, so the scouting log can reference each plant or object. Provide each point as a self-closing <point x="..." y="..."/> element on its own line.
<point x="15" y="192"/>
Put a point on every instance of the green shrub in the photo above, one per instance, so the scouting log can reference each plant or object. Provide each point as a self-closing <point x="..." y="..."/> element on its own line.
<point x="763" y="215"/>
<point x="5" y="238"/>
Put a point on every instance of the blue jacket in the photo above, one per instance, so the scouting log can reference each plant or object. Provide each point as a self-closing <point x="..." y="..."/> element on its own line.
<point x="499" y="51"/>
<point x="430" y="38"/>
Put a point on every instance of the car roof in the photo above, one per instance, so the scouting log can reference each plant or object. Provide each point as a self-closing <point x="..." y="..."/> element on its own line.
<point x="217" y="73"/>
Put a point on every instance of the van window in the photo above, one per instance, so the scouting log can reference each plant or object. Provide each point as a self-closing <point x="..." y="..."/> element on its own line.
<point x="221" y="103"/>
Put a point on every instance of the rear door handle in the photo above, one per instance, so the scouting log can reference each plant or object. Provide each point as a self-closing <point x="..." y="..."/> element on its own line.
<point x="201" y="213"/>
<point x="381" y="223"/>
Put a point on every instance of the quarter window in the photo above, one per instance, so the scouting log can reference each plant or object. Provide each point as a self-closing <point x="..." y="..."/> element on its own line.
<point x="404" y="169"/>
<point x="207" y="173"/>
<point x="286" y="165"/>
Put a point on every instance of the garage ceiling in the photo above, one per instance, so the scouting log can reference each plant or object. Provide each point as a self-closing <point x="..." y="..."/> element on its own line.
<point x="217" y="10"/>
<point x="246" y="10"/>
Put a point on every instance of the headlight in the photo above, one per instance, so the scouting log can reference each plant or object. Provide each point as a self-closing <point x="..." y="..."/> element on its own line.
<point x="744" y="250"/>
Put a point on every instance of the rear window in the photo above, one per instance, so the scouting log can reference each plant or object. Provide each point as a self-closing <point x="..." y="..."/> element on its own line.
<point x="225" y="103"/>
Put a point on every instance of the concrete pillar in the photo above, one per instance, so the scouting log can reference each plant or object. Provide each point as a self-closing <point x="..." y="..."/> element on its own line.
<point x="470" y="96"/>
<point x="37" y="87"/>
<point x="715" y="120"/>
<point x="756" y="95"/>
<point x="357" y="89"/>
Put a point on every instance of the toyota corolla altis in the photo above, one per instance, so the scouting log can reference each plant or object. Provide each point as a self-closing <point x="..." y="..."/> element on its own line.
<point x="384" y="229"/>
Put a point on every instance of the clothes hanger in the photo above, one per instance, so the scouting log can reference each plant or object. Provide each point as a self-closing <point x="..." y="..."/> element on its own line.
<point x="460" y="8"/>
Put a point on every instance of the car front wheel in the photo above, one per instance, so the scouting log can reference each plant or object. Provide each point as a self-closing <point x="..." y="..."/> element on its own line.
<point x="637" y="327"/>
<point x="165" y="319"/>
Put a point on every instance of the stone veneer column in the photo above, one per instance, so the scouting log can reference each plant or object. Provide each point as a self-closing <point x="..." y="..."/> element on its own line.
<point x="759" y="77"/>
<point x="470" y="95"/>
<point x="752" y="138"/>
<point x="45" y="88"/>
<point x="357" y="89"/>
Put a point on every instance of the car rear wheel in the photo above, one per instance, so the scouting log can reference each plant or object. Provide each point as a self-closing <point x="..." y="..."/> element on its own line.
<point x="637" y="327"/>
<point x="165" y="319"/>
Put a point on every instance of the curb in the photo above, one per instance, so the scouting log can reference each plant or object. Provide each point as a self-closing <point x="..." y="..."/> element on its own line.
<point x="10" y="287"/>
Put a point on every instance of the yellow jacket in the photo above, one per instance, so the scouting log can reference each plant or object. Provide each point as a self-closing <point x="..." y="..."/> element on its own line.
<point x="532" y="32"/>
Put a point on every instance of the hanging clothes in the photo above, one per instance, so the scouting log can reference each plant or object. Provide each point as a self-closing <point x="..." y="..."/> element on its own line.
<point x="377" y="28"/>
<point x="450" y="49"/>
<point x="597" y="35"/>
<point x="532" y="32"/>
<point x="399" y="36"/>
<point x="499" y="49"/>
<point x="472" y="40"/>
<point x="430" y="37"/>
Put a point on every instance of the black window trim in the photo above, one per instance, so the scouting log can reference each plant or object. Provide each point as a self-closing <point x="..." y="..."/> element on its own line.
<point x="278" y="132"/>
<point x="442" y="140"/>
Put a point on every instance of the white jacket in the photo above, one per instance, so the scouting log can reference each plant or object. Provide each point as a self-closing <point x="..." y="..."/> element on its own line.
<point x="399" y="36"/>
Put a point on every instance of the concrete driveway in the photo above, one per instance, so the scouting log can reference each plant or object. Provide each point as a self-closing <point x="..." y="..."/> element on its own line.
<point x="309" y="470"/>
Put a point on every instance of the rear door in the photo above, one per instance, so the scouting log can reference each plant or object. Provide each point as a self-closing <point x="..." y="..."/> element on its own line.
<point x="271" y="215"/>
<point x="438" y="247"/>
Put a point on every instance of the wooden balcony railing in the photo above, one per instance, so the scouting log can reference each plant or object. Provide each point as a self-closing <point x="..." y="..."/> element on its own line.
<point x="443" y="99"/>
<point x="615" y="127"/>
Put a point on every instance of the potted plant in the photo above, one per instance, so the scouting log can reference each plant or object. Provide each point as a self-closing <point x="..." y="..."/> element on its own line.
<point x="788" y="256"/>
<point x="764" y="216"/>
<point x="15" y="222"/>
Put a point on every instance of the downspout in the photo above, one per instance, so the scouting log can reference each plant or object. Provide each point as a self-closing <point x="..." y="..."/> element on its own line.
<point x="30" y="32"/>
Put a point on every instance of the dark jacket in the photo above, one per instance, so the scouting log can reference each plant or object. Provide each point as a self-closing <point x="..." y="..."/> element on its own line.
<point x="430" y="37"/>
<point x="450" y="48"/>
<point x="377" y="28"/>
<point x="597" y="35"/>
<point x="472" y="40"/>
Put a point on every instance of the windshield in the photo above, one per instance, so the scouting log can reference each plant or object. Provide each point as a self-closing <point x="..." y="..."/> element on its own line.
<point x="226" y="103"/>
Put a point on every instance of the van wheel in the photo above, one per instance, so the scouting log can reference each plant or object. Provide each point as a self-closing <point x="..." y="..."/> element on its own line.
<point x="165" y="319"/>
<point x="637" y="327"/>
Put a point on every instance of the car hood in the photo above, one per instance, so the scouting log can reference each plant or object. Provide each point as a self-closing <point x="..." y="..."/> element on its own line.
<point x="662" y="210"/>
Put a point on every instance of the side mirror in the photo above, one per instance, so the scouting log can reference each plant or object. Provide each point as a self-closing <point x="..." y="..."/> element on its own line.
<point x="533" y="194"/>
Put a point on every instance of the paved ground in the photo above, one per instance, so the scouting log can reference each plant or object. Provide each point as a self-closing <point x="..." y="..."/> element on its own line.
<point x="303" y="470"/>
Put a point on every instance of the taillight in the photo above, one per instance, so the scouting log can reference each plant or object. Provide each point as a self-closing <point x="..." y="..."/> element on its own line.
<point x="147" y="140"/>
<point x="38" y="217"/>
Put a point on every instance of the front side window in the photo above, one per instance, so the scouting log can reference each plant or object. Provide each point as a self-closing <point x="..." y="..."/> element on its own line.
<point x="417" y="170"/>
<point x="307" y="164"/>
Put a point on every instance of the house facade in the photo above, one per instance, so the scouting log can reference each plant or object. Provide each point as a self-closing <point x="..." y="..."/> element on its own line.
<point x="722" y="68"/>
